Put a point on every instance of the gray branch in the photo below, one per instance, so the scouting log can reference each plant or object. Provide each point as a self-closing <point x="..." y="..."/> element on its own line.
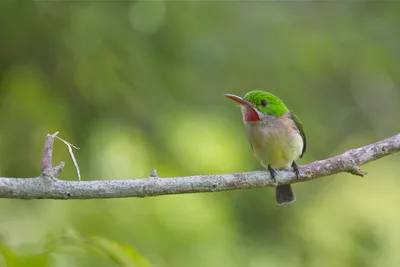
<point x="48" y="186"/>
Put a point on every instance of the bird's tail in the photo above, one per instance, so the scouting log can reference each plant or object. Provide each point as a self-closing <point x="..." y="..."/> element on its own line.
<point x="284" y="194"/>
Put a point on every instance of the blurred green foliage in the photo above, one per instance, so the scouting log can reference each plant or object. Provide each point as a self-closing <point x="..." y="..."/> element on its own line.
<point x="79" y="246"/>
<point x="138" y="85"/>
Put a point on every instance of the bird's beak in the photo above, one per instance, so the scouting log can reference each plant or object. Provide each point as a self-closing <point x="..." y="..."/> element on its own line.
<point x="239" y="99"/>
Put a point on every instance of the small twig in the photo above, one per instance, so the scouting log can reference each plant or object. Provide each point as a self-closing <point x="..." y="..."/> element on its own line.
<point x="58" y="169"/>
<point x="153" y="173"/>
<point x="47" y="170"/>
<point x="47" y="158"/>
<point x="355" y="170"/>
<point x="70" y="146"/>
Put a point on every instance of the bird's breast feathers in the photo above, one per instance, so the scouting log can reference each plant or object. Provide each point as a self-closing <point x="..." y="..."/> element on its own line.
<point x="276" y="142"/>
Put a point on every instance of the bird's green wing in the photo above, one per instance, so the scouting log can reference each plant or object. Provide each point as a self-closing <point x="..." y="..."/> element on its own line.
<point x="297" y="122"/>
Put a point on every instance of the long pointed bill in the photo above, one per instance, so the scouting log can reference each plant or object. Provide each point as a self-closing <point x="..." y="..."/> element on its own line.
<point x="250" y="113"/>
<point x="239" y="99"/>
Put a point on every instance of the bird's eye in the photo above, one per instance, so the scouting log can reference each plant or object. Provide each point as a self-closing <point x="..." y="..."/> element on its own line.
<point x="263" y="102"/>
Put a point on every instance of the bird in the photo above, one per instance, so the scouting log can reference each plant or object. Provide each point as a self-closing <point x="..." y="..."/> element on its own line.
<point x="276" y="136"/>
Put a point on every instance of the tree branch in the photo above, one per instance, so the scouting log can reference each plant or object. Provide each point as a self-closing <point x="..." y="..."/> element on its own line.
<point x="47" y="186"/>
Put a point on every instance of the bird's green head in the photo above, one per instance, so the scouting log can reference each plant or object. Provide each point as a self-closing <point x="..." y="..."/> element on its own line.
<point x="257" y="103"/>
<point x="266" y="103"/>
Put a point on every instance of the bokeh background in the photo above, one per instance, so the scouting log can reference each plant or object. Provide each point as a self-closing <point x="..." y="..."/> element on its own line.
<point x="138" y="85"/>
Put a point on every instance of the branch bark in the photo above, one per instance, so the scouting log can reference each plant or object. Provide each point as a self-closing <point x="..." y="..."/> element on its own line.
<point x="48" y="186"/>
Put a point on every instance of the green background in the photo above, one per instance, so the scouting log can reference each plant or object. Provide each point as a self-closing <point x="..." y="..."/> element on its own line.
<point x="139" y="85"/>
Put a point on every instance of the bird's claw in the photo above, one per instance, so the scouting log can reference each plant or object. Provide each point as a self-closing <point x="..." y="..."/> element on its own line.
<point x="273" y="173"/>
<point x="296" y="169"/>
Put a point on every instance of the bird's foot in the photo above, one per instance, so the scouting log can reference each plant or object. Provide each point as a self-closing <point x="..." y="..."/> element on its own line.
<point x="272" y="172"/>
<point x="296" y="169"/>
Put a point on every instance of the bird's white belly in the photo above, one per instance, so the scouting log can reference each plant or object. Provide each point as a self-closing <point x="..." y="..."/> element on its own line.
<point x="275" y="144"/>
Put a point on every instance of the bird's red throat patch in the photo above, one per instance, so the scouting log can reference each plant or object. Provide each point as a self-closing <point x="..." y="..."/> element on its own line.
<point x="249" y="114"/>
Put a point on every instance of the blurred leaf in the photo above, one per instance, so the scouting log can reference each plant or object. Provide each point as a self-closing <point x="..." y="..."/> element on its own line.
<point x="14" y="260"/>
<point x="11" y="259"/>
<point x="121" y="254"/>
<point x="36" y="260"/>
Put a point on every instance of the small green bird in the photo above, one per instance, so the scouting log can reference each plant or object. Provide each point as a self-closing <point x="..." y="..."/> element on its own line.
<point x="275" y="134"/>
